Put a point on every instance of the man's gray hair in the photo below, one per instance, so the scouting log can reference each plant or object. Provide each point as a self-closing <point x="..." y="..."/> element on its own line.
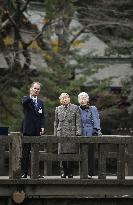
<point x="36" y="82"/>
<point x="83" y="94"/>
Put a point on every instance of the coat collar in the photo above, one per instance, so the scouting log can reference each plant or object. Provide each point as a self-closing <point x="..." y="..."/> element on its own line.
<point x="65" y="111"/>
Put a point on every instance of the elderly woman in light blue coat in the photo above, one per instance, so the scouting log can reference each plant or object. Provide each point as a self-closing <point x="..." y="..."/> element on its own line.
<point x="90" y="126"/>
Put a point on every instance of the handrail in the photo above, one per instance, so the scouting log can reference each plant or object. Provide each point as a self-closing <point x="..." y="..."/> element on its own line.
<point x="110" y="139"/>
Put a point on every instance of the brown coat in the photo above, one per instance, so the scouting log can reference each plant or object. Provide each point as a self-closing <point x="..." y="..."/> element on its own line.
<point x="67" y="123"/>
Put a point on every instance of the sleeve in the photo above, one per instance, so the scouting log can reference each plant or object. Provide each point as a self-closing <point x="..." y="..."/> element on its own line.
<point x="56" y="121"/>
<point x="96" y="118"/>
<point x="26" y="100"/>
<point x="78" y="122"/>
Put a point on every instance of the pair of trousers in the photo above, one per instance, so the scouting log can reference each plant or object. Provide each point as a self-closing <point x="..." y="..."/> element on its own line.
<point x="67" y="167"/>
<point x="25" y="162"/>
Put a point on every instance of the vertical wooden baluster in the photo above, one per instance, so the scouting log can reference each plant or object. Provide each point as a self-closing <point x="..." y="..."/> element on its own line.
<point x="121" y="162"/>
<point x="34" y="161"/>
<point x="2" y="158"/>
<point x="49" y="163"/>
<point x="15" y="157"/>
<point x="101" y="161"/>
<point x="84" y="161"/>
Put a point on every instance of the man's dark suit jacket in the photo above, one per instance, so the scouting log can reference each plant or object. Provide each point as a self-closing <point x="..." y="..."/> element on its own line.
<point x="34" y="118"/>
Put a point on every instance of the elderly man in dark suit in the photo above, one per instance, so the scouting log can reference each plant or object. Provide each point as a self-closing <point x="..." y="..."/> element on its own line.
<point x="33" y="122"/>
<point x="67" y="123"/>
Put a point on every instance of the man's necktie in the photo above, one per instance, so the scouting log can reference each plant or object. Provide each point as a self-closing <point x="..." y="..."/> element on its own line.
<point x="35" y="101"/>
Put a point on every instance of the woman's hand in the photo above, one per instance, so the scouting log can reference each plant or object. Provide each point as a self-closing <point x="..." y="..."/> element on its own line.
<point x="99" y="133"/>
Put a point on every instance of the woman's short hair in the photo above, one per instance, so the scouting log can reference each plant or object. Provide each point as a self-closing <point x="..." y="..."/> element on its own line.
<point x="63" y="95"/>
<point x="83" y="94"/>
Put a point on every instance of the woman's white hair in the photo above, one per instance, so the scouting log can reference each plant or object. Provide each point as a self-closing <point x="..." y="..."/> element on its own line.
<point x="83" y="94"/>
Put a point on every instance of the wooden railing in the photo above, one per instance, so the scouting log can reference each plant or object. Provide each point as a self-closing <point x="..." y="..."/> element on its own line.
<point x="15" y="149"/>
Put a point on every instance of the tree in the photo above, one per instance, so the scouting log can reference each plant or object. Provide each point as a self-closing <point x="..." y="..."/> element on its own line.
<point x="99" y="17"/>
<point x="112" y="21"/>
<point x="109" y="20"/>
<point x="58" y="75"/>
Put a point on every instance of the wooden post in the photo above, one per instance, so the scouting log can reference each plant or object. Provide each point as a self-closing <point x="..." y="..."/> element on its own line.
<point x="10" y="161"/>
<point x="129" y="158"/>
<point x="15" y="153"/>
<point x="84" y="161"/>
<point x="2" y="159"/>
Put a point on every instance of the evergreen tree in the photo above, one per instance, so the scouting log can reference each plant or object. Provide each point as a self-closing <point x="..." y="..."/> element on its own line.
<point x="104" y="18"/>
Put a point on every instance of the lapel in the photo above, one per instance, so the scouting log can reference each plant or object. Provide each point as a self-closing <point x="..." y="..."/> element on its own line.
<point x="39" y="103"/>
<point x="62" y="112"/>
<point x="32" y="105"/>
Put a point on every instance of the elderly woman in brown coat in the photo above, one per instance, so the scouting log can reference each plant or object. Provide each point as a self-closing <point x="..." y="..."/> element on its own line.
<point x="67" y="123"/>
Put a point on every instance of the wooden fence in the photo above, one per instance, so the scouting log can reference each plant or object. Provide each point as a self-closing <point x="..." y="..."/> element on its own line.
<point x="15" y="141"/>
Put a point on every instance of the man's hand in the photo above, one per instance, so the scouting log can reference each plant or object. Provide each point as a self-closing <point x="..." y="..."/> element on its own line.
<point x="32" y="92"/>
<point x="42" y="131"/>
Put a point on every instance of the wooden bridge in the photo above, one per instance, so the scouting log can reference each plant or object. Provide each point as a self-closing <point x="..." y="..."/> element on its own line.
<point x="40" y="191"/>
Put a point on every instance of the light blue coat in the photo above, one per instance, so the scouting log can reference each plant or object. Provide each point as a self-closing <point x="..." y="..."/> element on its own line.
<point x="89" y="120"/>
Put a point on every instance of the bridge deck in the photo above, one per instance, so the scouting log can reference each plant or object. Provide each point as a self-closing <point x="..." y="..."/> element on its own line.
<point x="55" y="187"/>
<point x="74" y="178"/>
